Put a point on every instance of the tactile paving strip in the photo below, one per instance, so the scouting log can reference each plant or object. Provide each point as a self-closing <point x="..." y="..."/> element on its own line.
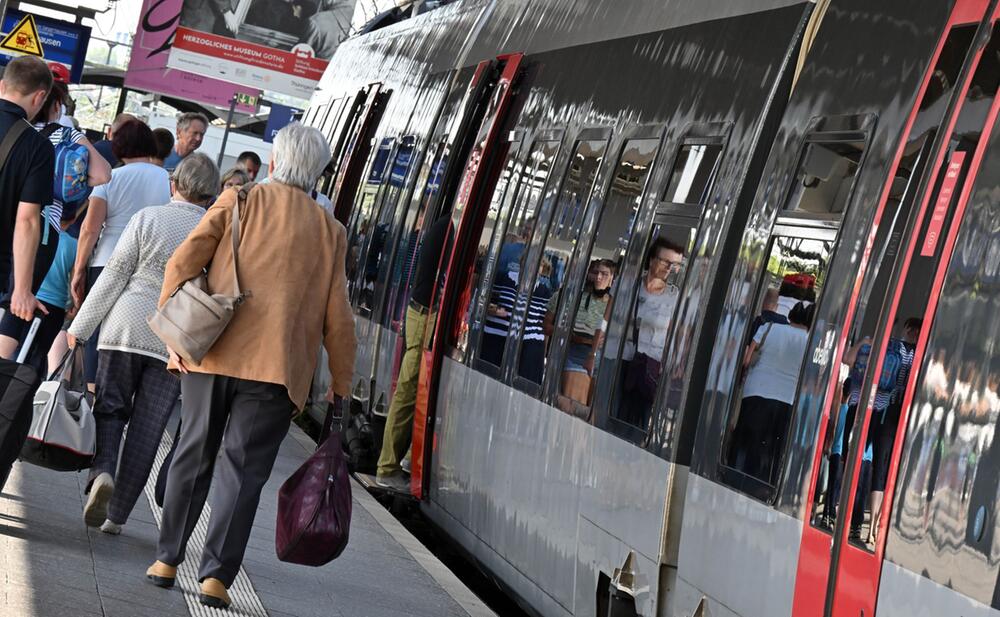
<point x="245" y="600"/>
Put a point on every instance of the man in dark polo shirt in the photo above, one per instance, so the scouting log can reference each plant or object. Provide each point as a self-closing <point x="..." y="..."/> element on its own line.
<point x="399" y="423"/>
<point x="25" y="180"/>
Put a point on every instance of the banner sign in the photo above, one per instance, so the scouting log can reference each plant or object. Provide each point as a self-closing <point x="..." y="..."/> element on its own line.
<point x="273" y="45"/>
<point x="59" y="41"/>
<point x="280" y="117"/>
<point x="148" y="71"/>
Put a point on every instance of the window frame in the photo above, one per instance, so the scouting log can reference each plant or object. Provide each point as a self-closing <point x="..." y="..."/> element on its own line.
<point x="696" y="134"/>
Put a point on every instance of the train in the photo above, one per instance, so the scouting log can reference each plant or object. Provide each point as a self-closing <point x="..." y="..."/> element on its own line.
<point x="788" y="212"/>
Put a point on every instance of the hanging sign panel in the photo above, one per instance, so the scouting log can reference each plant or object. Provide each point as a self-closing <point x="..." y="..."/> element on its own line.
<point x="52" y="40"/>
<point x="275" y="45"/>
<point x="147" y="69"/>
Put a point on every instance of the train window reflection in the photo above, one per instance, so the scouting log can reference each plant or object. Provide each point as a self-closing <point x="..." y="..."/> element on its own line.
<point x="649" y="320"/>
<point x="364" y="212"/>
<point x="560" y="245"/>
<point x="692" y="174"/>
<point x="513" y="251"/>
<point x="614" y="229"/>
<point x="771" y="362"/>
<point x="825" y="177"/>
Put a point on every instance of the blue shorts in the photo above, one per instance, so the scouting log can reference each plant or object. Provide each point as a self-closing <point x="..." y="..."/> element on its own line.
<point x="577" y="357"/>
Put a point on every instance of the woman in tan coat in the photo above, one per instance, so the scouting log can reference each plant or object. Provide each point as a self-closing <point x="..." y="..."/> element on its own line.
<point x="257" y="375"/>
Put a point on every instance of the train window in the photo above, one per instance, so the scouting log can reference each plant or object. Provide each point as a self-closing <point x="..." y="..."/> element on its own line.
<point x="825" y="177"/>
<point x="560" y="245"/>
<point x="405" y="259"/>
<point x="778" y="336"/>
<point x="364" y="211"/>
<point x="483" y="262"/>
<point x="648" y="323"/>
<point x="382" y="240"/>
<point x="332" y="118"/>
<point x="692" y="175"/>
<point x="614" y="230"/>
<point x="513" y="251"/>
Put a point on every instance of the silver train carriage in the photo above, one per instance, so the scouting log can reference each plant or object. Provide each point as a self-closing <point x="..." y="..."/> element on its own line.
<point x="792" y="399"/>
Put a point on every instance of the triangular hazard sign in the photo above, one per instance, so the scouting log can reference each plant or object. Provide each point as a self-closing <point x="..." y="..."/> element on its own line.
<point x="23" y="38"/>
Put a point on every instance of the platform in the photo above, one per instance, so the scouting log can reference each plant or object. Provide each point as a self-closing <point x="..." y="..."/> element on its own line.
<point x="52" y="564"/>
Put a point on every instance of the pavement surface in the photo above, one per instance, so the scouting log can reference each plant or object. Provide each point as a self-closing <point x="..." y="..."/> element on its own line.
<point x="51" y="564"/>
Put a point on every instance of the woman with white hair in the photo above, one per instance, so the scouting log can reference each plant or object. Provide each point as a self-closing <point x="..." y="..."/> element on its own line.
<point x="133" y="385"/>
<point x="243" y="394"/>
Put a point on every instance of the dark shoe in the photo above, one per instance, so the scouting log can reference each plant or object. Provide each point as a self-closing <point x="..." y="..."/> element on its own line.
<point x="394" y="482"/>
<point x="162" y="575"/>
<point x="96" y="510"/>
<point x="213" y="594"/>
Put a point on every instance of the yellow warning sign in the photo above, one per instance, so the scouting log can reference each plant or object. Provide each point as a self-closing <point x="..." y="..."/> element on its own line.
<point x="24" y="38"/>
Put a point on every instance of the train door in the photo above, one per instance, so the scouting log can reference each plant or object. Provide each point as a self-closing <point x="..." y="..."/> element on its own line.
<point x="469" y="189"/>
<point x="358" y="138"/>
<point x="880" y="351"/>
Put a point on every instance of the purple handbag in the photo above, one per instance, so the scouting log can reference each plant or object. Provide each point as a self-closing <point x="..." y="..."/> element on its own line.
<point x="314" y="507"/>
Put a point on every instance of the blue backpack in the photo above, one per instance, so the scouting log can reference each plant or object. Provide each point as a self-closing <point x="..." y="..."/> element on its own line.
<point x="72" y="162"/>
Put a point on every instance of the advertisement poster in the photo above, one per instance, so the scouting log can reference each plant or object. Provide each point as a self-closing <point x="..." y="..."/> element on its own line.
<point x="276" y="45"/>
<point x="148" y="70"/>
<point x="61" y="42"/>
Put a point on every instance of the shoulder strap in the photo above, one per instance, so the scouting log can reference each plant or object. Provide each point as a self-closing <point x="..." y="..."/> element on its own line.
<point x="11" y="138"/>
<point x="763" y="339"/>
<point x="50" y="128"/>
<point x="241" y="200"/>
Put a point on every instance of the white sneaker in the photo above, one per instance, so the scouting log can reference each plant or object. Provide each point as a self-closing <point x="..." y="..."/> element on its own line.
<point x="111" y="528"/>
<point x="405" y="465"/>
<point x="96" y="510"/>
<point x="394" y="482"/>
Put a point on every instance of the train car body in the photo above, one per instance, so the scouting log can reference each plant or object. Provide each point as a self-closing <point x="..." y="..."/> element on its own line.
<point x="712" y="156"/>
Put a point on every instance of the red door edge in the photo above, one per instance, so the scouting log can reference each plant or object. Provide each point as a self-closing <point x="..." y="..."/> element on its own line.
<point x="431" y="356"/>
<point x="813" y="568"/>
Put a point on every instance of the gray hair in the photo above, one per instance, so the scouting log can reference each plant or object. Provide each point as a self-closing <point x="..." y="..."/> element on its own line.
<point x="197" y="178"/>
<point x="185" y="120"/>
<point x="300" y="155"/>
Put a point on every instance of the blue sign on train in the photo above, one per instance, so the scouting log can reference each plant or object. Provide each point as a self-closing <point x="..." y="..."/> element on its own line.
<point x="62" y="42"/>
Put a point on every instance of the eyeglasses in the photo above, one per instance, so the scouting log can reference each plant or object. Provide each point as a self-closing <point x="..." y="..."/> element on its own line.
<point x="668" y="262"/>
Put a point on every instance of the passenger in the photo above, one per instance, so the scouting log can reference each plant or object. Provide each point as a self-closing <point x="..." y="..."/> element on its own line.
<point x="531" y="365"/>
<point x="503" y="292"/>
<point x="235" y="178"/>
<point x="104" y="146"/>
<point x="399" y="422"/>
<point x="191" y="128"/>
<point x="164" y="145"/>
<point x="887" y="410"/>
<point x="13" y="329"/>
<point x="588" y="331"/>
<point x="768" y="311"/>
<point x="772" y="363"/>
<point x="256" y="377"/>
<point x="135" y="185"/>
<point x="795" y="288"/>
<point x="657" y="298"/>
<point x="250" y="162"/>
<point x="133" y="385"/>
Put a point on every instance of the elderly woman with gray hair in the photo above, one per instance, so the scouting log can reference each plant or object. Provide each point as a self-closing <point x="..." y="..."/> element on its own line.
<point x="243" y="394"/>
<point x="133" y="384"/>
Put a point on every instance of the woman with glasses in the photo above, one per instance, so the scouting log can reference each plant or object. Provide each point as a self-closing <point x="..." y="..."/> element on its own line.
<point x="133" y="384"/>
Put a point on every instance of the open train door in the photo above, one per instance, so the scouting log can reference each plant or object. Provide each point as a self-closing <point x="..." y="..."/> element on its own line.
<point x="493" y="84"/>
<point x="914" y="231"/>
<point x="357" y="135"/>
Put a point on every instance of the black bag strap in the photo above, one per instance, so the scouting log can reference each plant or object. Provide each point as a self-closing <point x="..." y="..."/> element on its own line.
<point x="13" y="133"/>
<point x="50" y="128"/>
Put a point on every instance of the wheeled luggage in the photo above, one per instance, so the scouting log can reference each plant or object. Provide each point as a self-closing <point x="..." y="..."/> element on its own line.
<point x="18" y="383"/>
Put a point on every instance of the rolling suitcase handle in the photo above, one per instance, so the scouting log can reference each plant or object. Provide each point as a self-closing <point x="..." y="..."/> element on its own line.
<point x="29" y="340"/>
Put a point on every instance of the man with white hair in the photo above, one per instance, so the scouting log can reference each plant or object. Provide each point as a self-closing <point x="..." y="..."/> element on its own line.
<point x="257" y="375"/>
<point x="191" y="128"/>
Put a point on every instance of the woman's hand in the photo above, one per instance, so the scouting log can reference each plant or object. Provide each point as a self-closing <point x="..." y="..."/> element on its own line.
<point x="70" y="340"/>
<point x="78" y="288"/>
<point x="178" y="361"/>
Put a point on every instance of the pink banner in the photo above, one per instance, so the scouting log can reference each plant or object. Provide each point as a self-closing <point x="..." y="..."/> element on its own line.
<point x="147" y="69"/>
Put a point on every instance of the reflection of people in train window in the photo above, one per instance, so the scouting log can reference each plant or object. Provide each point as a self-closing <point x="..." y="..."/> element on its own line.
<point x="588" y="330"/>
<point x="502" y="293"/>
<point x="887" y="409"/>
<point x="772" y="360"/>
<point x="795" y="288"/>
<point x="643" y="352"/>
<point x="532" y="363"/>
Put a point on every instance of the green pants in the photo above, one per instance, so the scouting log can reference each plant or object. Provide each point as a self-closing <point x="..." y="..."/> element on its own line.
<point x="399" y="423"/>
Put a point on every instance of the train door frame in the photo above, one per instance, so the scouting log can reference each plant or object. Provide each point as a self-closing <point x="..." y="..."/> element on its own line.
<point x="357" y="150"/>
<point x="471" y="182"/>
<point x="822" y="563"/>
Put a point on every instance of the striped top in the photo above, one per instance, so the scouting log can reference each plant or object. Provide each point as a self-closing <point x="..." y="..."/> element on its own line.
<point x="895" y="373"/>
<point x="538" y="306"/>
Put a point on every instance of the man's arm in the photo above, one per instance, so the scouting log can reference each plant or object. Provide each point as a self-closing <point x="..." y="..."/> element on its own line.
<point x="27" y="234"/>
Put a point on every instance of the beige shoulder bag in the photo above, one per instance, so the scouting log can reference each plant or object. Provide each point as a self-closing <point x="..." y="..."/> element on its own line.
<point x="193" y="318"/>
